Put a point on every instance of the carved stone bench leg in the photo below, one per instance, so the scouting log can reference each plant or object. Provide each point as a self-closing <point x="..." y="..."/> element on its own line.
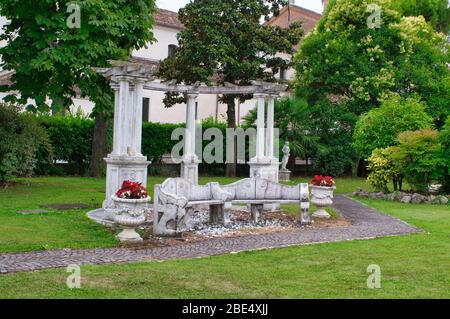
<point x="219" y="214"/>
<point x="257" y="211"/>
<point x="216" y="214"/>
<point x="304" y="213"/>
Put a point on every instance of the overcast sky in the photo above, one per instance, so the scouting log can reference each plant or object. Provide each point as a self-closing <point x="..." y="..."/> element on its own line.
<point x="174" y="5"/>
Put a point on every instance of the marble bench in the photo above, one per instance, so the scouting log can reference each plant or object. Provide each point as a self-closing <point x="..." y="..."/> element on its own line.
<point x="176" y="197"/>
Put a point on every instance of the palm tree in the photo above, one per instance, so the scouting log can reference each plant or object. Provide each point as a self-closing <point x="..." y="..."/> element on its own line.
<point x="291" y="116"/>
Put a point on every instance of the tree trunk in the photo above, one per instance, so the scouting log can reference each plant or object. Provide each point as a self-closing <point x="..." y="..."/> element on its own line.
<point x="231" y="115"/>
<point x="99" y="145"/>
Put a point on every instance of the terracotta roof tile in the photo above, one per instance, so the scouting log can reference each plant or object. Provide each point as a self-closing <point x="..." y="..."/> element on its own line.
<point x="168" y="19"/>
<point x="308" y="18"/>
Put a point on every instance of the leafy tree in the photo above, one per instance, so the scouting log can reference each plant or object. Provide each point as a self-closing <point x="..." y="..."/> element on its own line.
<point x="436" y="12"/>
<point x="23" y="141"/>
<point x="355" y="67"/>
<point x="380" y="127"/>
<point x="419" y="154"/>
<point x="225" y="42"/>
<point x="50" y="60"/>
<point x="444" y="136"/>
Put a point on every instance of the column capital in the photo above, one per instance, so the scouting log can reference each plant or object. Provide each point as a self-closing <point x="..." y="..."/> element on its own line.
<point x="125" y="78"/>
<point x="191" y="95"/>
<point x="140" y="80"/>
<point x="260" y="95"/>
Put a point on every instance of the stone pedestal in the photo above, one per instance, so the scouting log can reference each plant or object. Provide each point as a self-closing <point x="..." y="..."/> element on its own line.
<point x="120" y="169"/>
<point x="189" y="170"/>
<point x="284" y="175"/>
<point x="266" y="168"/>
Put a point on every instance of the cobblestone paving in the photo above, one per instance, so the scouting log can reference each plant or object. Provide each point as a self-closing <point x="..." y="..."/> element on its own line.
<point x="366" y="223"/>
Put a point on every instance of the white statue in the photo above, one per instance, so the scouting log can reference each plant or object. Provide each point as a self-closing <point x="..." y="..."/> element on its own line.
<point x="287" y="154"/>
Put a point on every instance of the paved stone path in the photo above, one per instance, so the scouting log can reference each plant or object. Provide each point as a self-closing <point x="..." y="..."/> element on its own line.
<point x="366" y="223"/>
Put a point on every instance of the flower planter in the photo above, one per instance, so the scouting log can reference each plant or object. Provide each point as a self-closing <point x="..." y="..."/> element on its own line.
<point x="322" y="197"/>
<point x="131" y="213"/>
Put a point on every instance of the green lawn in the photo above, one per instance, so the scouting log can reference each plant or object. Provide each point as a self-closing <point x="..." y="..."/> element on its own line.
<point x="413" y="266"/>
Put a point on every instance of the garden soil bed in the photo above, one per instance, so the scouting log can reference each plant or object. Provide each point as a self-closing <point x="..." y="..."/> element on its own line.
<point x="200" y="230"/>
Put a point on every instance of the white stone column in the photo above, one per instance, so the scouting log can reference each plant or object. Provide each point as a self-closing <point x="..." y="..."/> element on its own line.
<point x="260" y="127"/>
<point x="270" y="127"/>
<point x="190" y="126"/>
<point x="117" y="119"/>
<point x="189" y="166"/>
<point x="136" y="121"/>
<point x="126" y="161"/>
<point x="122" y="129"/>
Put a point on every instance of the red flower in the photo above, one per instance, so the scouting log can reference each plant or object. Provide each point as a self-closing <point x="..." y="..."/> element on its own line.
<point x="324" y="181"/>
<point x="132" y="190"/>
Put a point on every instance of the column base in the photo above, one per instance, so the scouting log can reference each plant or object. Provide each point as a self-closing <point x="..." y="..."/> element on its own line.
<point x="189" y="170"/>
<point x="119" y="169"/>
<point x="266" y="168"/>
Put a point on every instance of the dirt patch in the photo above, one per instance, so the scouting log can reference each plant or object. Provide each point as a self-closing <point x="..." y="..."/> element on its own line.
<point x="66" y="206"/>
<point x="274" y="222"/>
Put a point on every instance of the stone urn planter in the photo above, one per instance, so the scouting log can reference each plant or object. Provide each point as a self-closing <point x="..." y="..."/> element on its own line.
<point x="131" y="213"/>
<point x="322" y="197"/>
<point x="322" y="189"/>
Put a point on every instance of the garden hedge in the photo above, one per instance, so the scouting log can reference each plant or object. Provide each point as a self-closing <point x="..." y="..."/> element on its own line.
<point x="71" y="139"/>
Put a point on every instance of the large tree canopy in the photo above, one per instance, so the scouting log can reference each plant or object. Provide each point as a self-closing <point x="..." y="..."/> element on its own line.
<point x="225" y="42"/>
<point x="436" y="12"/>
<point x="52" y="58"/>
<point x="355" y="65"/>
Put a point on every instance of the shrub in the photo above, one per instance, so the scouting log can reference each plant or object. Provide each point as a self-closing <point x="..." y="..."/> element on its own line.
<point x="156" y="140"/>
<point x="71" y="138"/>
<point x="419" y="154"/>
<point x="444" y="137"/>
<point x="384" y="168"/>
<point x="380" y="127"/>
<point x="22" y="142"/>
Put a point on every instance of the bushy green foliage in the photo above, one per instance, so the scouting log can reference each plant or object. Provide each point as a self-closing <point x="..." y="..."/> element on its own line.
<point x="436" y="12"/>
<point x="380" y="127"/>
<point x="444" y="137"/>
<point x="22" y="142"/>
<point x="156" y="140"/>
<point x="419" y="154"/>
<point x="355" y="68"/>
<point x="383" y="169"/>
<point x="226" y="40"/>
<point x="71" y="138"/>
<point x="52" y="60"/>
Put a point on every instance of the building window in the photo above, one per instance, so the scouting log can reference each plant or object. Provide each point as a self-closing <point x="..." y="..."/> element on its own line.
<point x="145" y="110"/>
<point x="172" y="48"/>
